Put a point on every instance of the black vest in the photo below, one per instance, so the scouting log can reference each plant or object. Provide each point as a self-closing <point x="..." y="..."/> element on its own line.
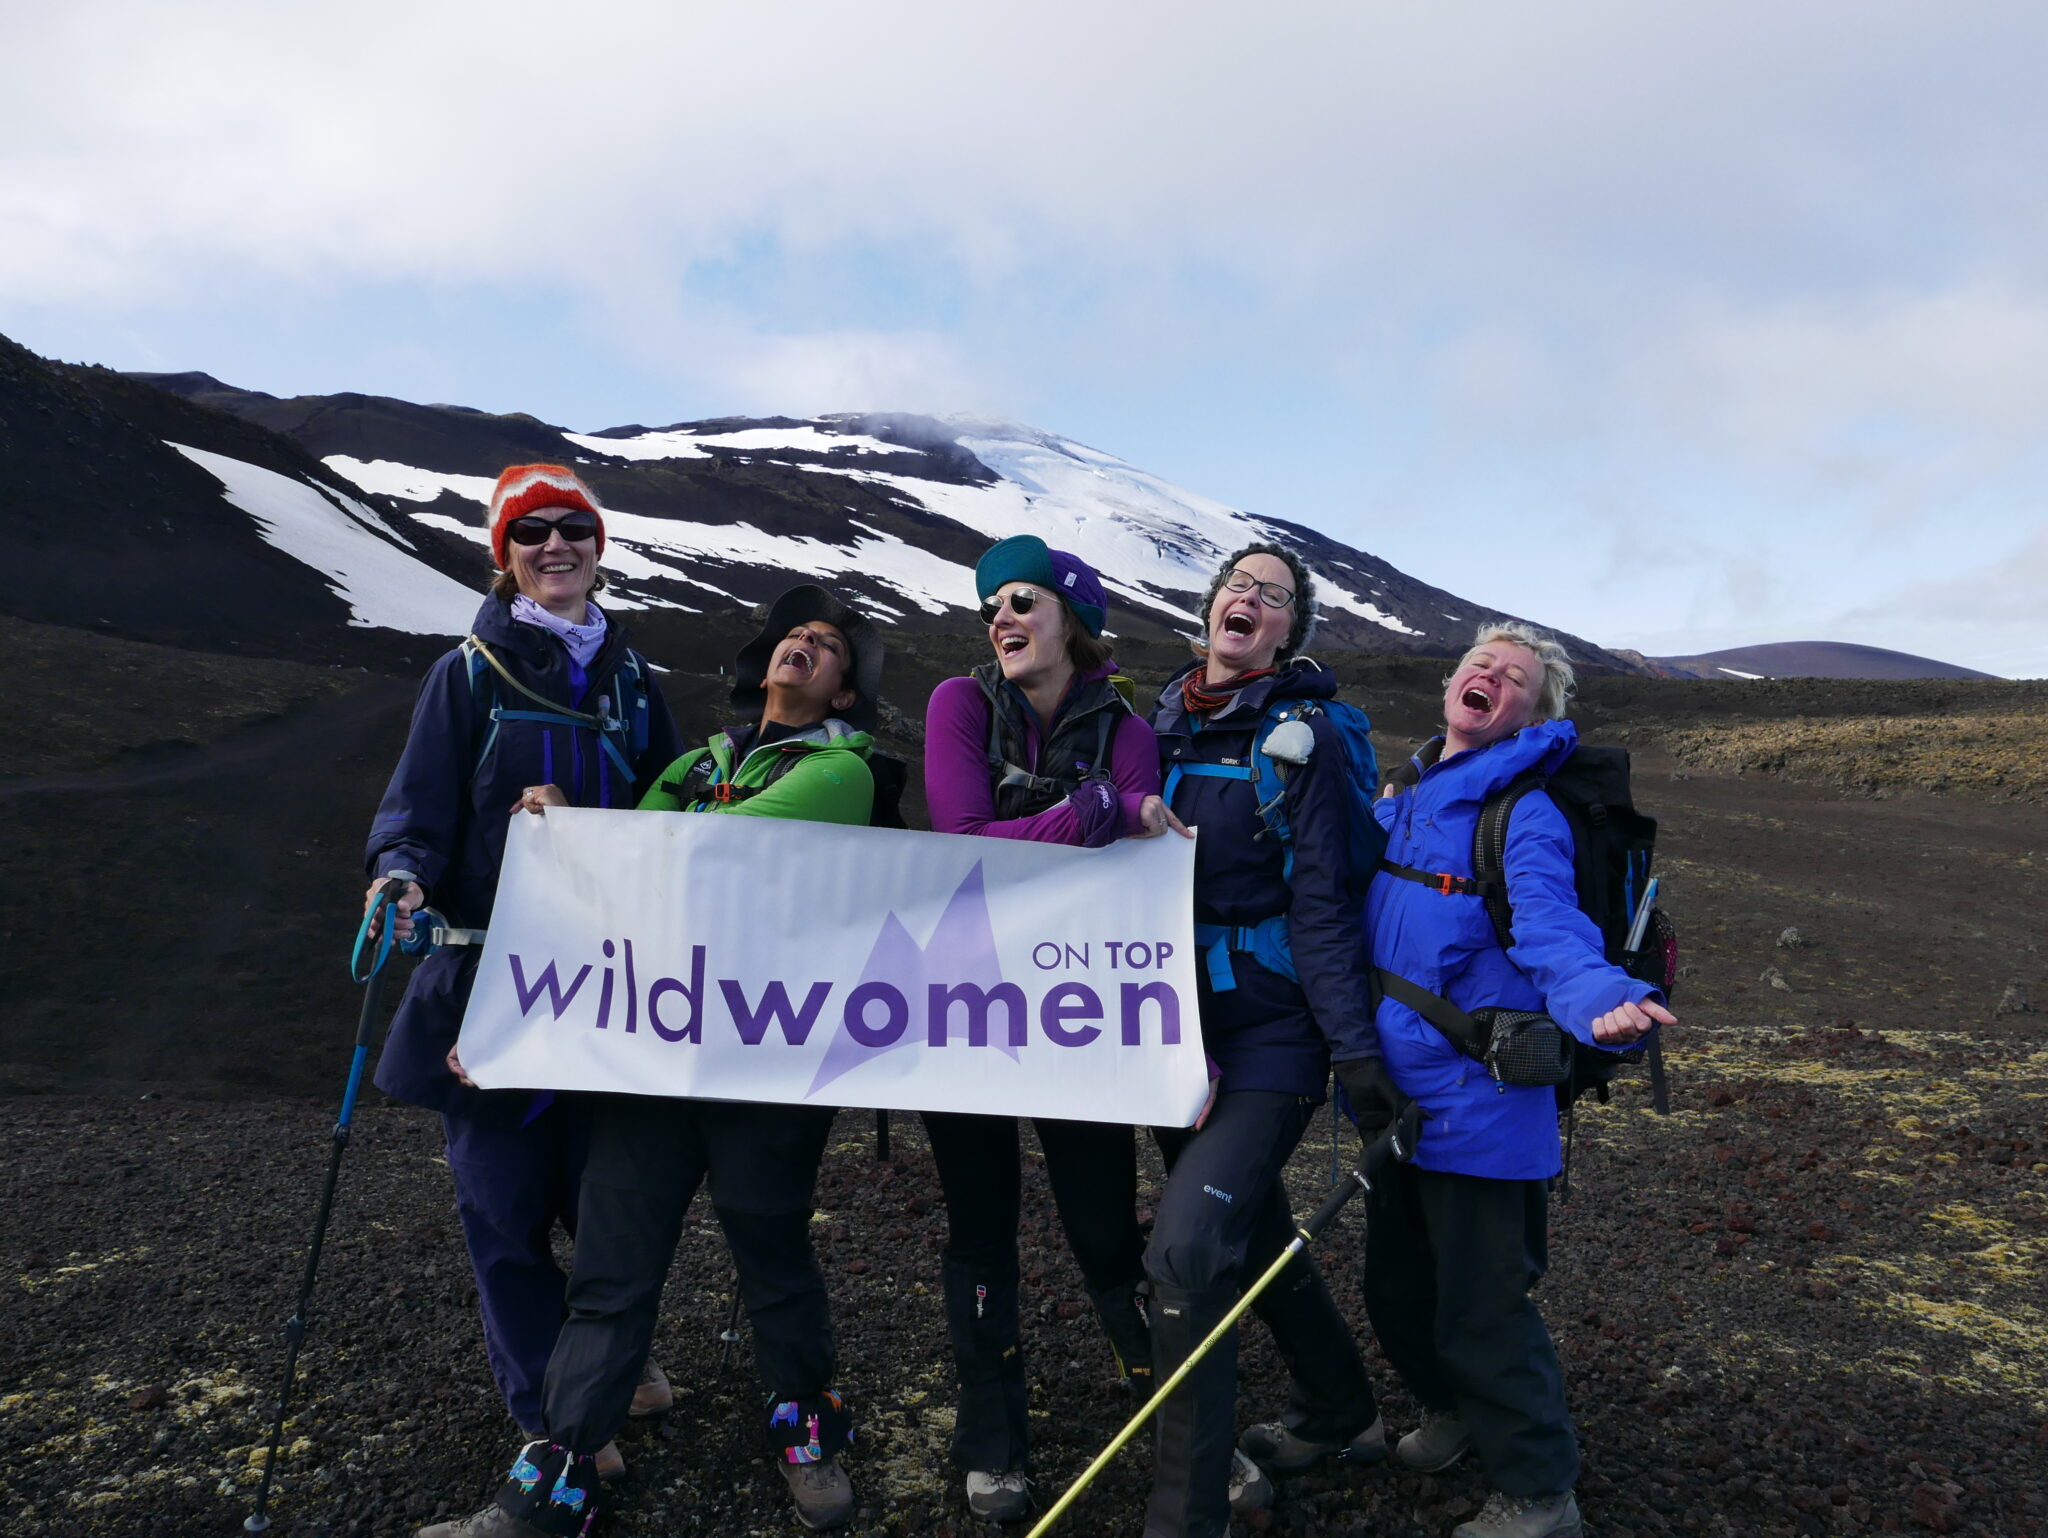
<point x="1078" y="748"/>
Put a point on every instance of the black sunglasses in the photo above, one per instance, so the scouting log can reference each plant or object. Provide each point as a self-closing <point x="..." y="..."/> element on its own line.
<point x="534" y="530"/>
<point x="1271" y="594"/>
<point x="1020" y="600"/>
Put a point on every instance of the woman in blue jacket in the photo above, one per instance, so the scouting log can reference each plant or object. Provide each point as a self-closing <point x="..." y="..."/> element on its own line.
<point x="1272" y="1026"/>
<point x="545" y="691"/>
<point x="1455" y="1240"/>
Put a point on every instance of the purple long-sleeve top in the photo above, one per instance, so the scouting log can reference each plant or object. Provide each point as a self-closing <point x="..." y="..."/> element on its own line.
<point x="961" y="799"/>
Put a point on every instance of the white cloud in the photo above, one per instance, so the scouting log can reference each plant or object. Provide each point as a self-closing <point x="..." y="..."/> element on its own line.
<point x="1773" y="279"/>
<point x="509" y="142"/>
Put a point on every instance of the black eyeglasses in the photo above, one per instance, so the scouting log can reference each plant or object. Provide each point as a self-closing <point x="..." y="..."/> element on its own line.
<point x="1271" y="594"/>
<point x="1020" y="600"/>
<point x="534" y="530"/>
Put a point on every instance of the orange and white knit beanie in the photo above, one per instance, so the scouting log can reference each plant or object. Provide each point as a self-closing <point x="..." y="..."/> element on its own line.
<point x="524" y="489"/>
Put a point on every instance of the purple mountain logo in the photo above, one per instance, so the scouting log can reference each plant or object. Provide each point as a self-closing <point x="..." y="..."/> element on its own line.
<point x="961" y="955"/>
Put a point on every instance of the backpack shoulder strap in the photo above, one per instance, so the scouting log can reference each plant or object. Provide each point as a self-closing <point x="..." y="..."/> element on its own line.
<point x="1106" y="723"/>
<point x="483" y="705"/>
<point x="1490" y="852"/>
<point x="1267" y="783"/>
<point x="631" y="694"/>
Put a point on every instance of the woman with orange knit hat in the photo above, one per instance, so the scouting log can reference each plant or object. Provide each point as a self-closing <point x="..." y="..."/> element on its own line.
<point x="544" y="692"/>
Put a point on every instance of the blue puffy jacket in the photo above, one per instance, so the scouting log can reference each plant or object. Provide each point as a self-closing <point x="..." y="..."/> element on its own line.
<point x="1270" y="1032"/>
<point x="444" y="814"/>
<point x="1446" y="944"/>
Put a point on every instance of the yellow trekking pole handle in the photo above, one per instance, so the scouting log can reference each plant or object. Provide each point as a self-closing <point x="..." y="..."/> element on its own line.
<point x="1391" y="1145"/>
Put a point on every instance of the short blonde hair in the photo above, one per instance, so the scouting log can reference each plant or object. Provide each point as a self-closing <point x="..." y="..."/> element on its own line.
<point x="1559" y="681"/>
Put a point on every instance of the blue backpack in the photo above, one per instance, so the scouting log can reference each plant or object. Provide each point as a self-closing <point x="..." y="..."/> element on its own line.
<point x="1267" y="940"/>
<point x="620" y="719"/>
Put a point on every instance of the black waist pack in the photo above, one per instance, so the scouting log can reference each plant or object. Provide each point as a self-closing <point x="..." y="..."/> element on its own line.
<point x="1522" y="1048"/>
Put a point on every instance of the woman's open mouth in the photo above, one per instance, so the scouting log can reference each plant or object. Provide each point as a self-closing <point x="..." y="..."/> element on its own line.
<point x="1010" y="645"/>
<point x="801" y="661"/>
<point x="557" y="568"/>
<point x="1239" y="623"/>
<point x="1473" y="699"/>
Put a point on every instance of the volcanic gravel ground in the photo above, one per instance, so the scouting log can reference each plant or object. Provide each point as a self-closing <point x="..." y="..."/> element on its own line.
<point x="1809" y="1301"/>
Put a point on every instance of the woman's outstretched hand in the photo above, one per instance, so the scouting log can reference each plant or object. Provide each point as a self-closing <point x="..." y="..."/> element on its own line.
<point x="538" y="798"/>
<point x="1620" y="1026"/>
<point x="1155" y="817"/>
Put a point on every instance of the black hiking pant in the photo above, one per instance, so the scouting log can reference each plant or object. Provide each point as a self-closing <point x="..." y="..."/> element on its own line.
<point x="1093" y="1170"/>
<point x="1449" y="1261"/>
<point x="1222" y="1219"/>
<point x="647" y="1157"/>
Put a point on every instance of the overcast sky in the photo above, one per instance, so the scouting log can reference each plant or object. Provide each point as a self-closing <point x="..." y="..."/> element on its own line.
<point x="1678" y="326"/>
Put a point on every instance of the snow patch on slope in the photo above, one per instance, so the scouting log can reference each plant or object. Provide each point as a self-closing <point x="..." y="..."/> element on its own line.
<point x="674" y="443"/>
<point x="388" y="478"/>
<point x="383" y="587"/>
<point x="635" y="544"/>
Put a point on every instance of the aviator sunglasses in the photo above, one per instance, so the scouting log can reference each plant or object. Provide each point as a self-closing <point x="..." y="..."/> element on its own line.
<point x="534" y="530"/>
<point x="1020" y="600"/>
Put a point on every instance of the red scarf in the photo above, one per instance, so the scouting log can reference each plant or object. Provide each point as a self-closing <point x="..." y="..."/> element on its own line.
<point x="1201" y="698"/>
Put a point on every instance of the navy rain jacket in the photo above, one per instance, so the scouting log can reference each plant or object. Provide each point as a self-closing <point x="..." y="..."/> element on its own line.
<point x="1269" y="1032"/>
<point x="448" y="827"/>
<point x="1445" y="943"/>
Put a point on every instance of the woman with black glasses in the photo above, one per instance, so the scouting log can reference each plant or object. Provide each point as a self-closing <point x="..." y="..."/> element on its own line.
<point x="1038" y="743"/>
<point x="1285" y="989"/>
<point x="544" y="692"/>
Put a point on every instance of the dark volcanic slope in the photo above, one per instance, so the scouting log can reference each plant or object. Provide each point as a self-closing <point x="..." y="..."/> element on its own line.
<point x="1813" y="659"/>
<point x="114" y="529"/>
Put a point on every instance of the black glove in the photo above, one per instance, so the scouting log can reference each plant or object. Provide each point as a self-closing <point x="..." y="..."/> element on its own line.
<point x="1378" y="1103"/>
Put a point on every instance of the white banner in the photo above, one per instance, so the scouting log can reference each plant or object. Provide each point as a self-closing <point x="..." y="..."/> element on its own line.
<point x="750" y="958"/>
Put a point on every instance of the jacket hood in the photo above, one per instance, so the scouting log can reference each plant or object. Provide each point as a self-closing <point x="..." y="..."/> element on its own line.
<point x="1477" y="773"/>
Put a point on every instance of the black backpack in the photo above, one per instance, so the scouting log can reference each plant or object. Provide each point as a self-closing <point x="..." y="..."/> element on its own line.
<point x="1613" y="846"/>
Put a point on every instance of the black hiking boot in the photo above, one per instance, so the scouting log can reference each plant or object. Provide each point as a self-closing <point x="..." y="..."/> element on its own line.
<point x="1276" y="1446"/>
<point x="493" y="1521"/>
<point x="822" y="1492"/>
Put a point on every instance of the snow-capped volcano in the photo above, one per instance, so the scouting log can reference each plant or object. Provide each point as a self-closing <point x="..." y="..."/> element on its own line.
<point x="893" y="508"/>
<point x="1155" y="544"/>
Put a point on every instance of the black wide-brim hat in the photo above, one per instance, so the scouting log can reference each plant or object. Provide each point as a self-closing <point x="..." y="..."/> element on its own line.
<point x="801" y="605"/>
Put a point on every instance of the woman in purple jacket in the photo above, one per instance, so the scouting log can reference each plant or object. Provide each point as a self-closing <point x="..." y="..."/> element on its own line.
<point x="1039" y="743"/>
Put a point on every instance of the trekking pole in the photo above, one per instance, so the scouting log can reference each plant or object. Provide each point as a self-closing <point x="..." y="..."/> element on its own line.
<point x="1396" y="1143"/>
<point x="730" y="1335"/>
<point x="1334" y="1160"/>
<point x="387" y="895"/>
<point x="1632" y="947"/>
